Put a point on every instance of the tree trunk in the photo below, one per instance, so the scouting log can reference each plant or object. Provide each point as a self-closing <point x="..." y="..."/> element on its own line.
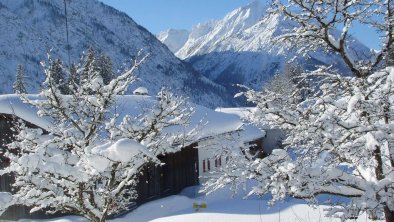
<point x="103" y="219"/>
<point x="389" y="215"/>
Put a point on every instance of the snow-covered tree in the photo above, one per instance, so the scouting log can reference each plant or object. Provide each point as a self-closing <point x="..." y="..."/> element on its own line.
<point x="58" y="74"/>
<point x="339" y="142"/>
<point x="287" y="85"/>
<point x="281" y="84"/>
<point x="88" y="162"/>
<point x="328" y="25"/>
<point x="91" y="69"/>
<point x="72" y="80"/>
<point x="97" y="67"/>
<point x="19" y="84"/>
<point x="340" y="136"/>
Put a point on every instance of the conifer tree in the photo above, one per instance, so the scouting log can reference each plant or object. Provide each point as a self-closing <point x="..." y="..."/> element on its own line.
<point x="73" y="77"/>
<point x="89" y="64"/>
<point x="294" y="72"/>
<point x="105" y="66"/>
<point x="58" y="74"/>
<point x="19" y="84"/>
<point x="91" y="72"/>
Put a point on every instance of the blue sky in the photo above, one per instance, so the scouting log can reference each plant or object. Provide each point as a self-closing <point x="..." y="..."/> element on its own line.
<point x="159" y="15"/>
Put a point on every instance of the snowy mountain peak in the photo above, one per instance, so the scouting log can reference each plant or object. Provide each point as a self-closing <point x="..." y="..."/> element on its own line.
<point x="238" y="48"/>
<point x="245" y="17"/>
<point x="174" y="38"/>
<point x="202" y="29"/>
<point x="215" y="32"/>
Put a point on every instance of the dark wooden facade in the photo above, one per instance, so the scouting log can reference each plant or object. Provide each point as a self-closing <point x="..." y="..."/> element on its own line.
<point x="257" y="148"/>
<point x="6" y="136"/>
<point x="180" y="170"/>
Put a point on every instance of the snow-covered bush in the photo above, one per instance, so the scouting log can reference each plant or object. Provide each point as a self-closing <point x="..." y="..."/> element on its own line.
<point x="88" y="161"/>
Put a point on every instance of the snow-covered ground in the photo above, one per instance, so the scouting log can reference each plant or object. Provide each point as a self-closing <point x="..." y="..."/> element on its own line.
<point x="221" y="207"/>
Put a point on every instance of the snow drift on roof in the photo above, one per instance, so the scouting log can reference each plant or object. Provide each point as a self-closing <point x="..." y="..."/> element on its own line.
<point x="207" y="122"/>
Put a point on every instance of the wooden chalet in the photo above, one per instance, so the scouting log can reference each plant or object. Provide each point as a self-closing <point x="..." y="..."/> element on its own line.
<point x="180" y="170"/>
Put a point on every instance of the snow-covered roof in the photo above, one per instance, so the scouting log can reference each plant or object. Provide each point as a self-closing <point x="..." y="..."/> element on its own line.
<point x="273" y="136"/>
<point x="207" y="122"/>
<point x="12" y="104"/>
<point x="242" y="112"/>
<point x="250" y="132"/>
<point x="140" y="91"/>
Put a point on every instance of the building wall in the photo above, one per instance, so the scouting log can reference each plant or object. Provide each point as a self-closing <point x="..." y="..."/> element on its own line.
<point x="273" y="140"/>
<point x="210" y="162"/>
<point x="179" y="171"/>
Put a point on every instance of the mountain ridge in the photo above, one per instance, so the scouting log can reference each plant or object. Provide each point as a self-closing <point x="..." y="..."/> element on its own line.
<point x="238" y="49"/>
<point x="35" y="27"/>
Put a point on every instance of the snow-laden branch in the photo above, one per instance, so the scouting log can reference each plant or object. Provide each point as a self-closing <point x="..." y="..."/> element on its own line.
<point x="326" y="24"/>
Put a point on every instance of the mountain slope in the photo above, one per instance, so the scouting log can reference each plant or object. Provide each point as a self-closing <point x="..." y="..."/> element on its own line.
<point x="237" y="49"/>
<point x="31" y="28"/>
<point x="174" y="39"/>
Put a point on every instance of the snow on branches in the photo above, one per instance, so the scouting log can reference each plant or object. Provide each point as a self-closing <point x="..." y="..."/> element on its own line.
<point x="157" y="127"/>
<point x="339" y="142"/>
<point x="339" y="129"/>
<point x="88" y="161"/>
<point x="327" y="24"/>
